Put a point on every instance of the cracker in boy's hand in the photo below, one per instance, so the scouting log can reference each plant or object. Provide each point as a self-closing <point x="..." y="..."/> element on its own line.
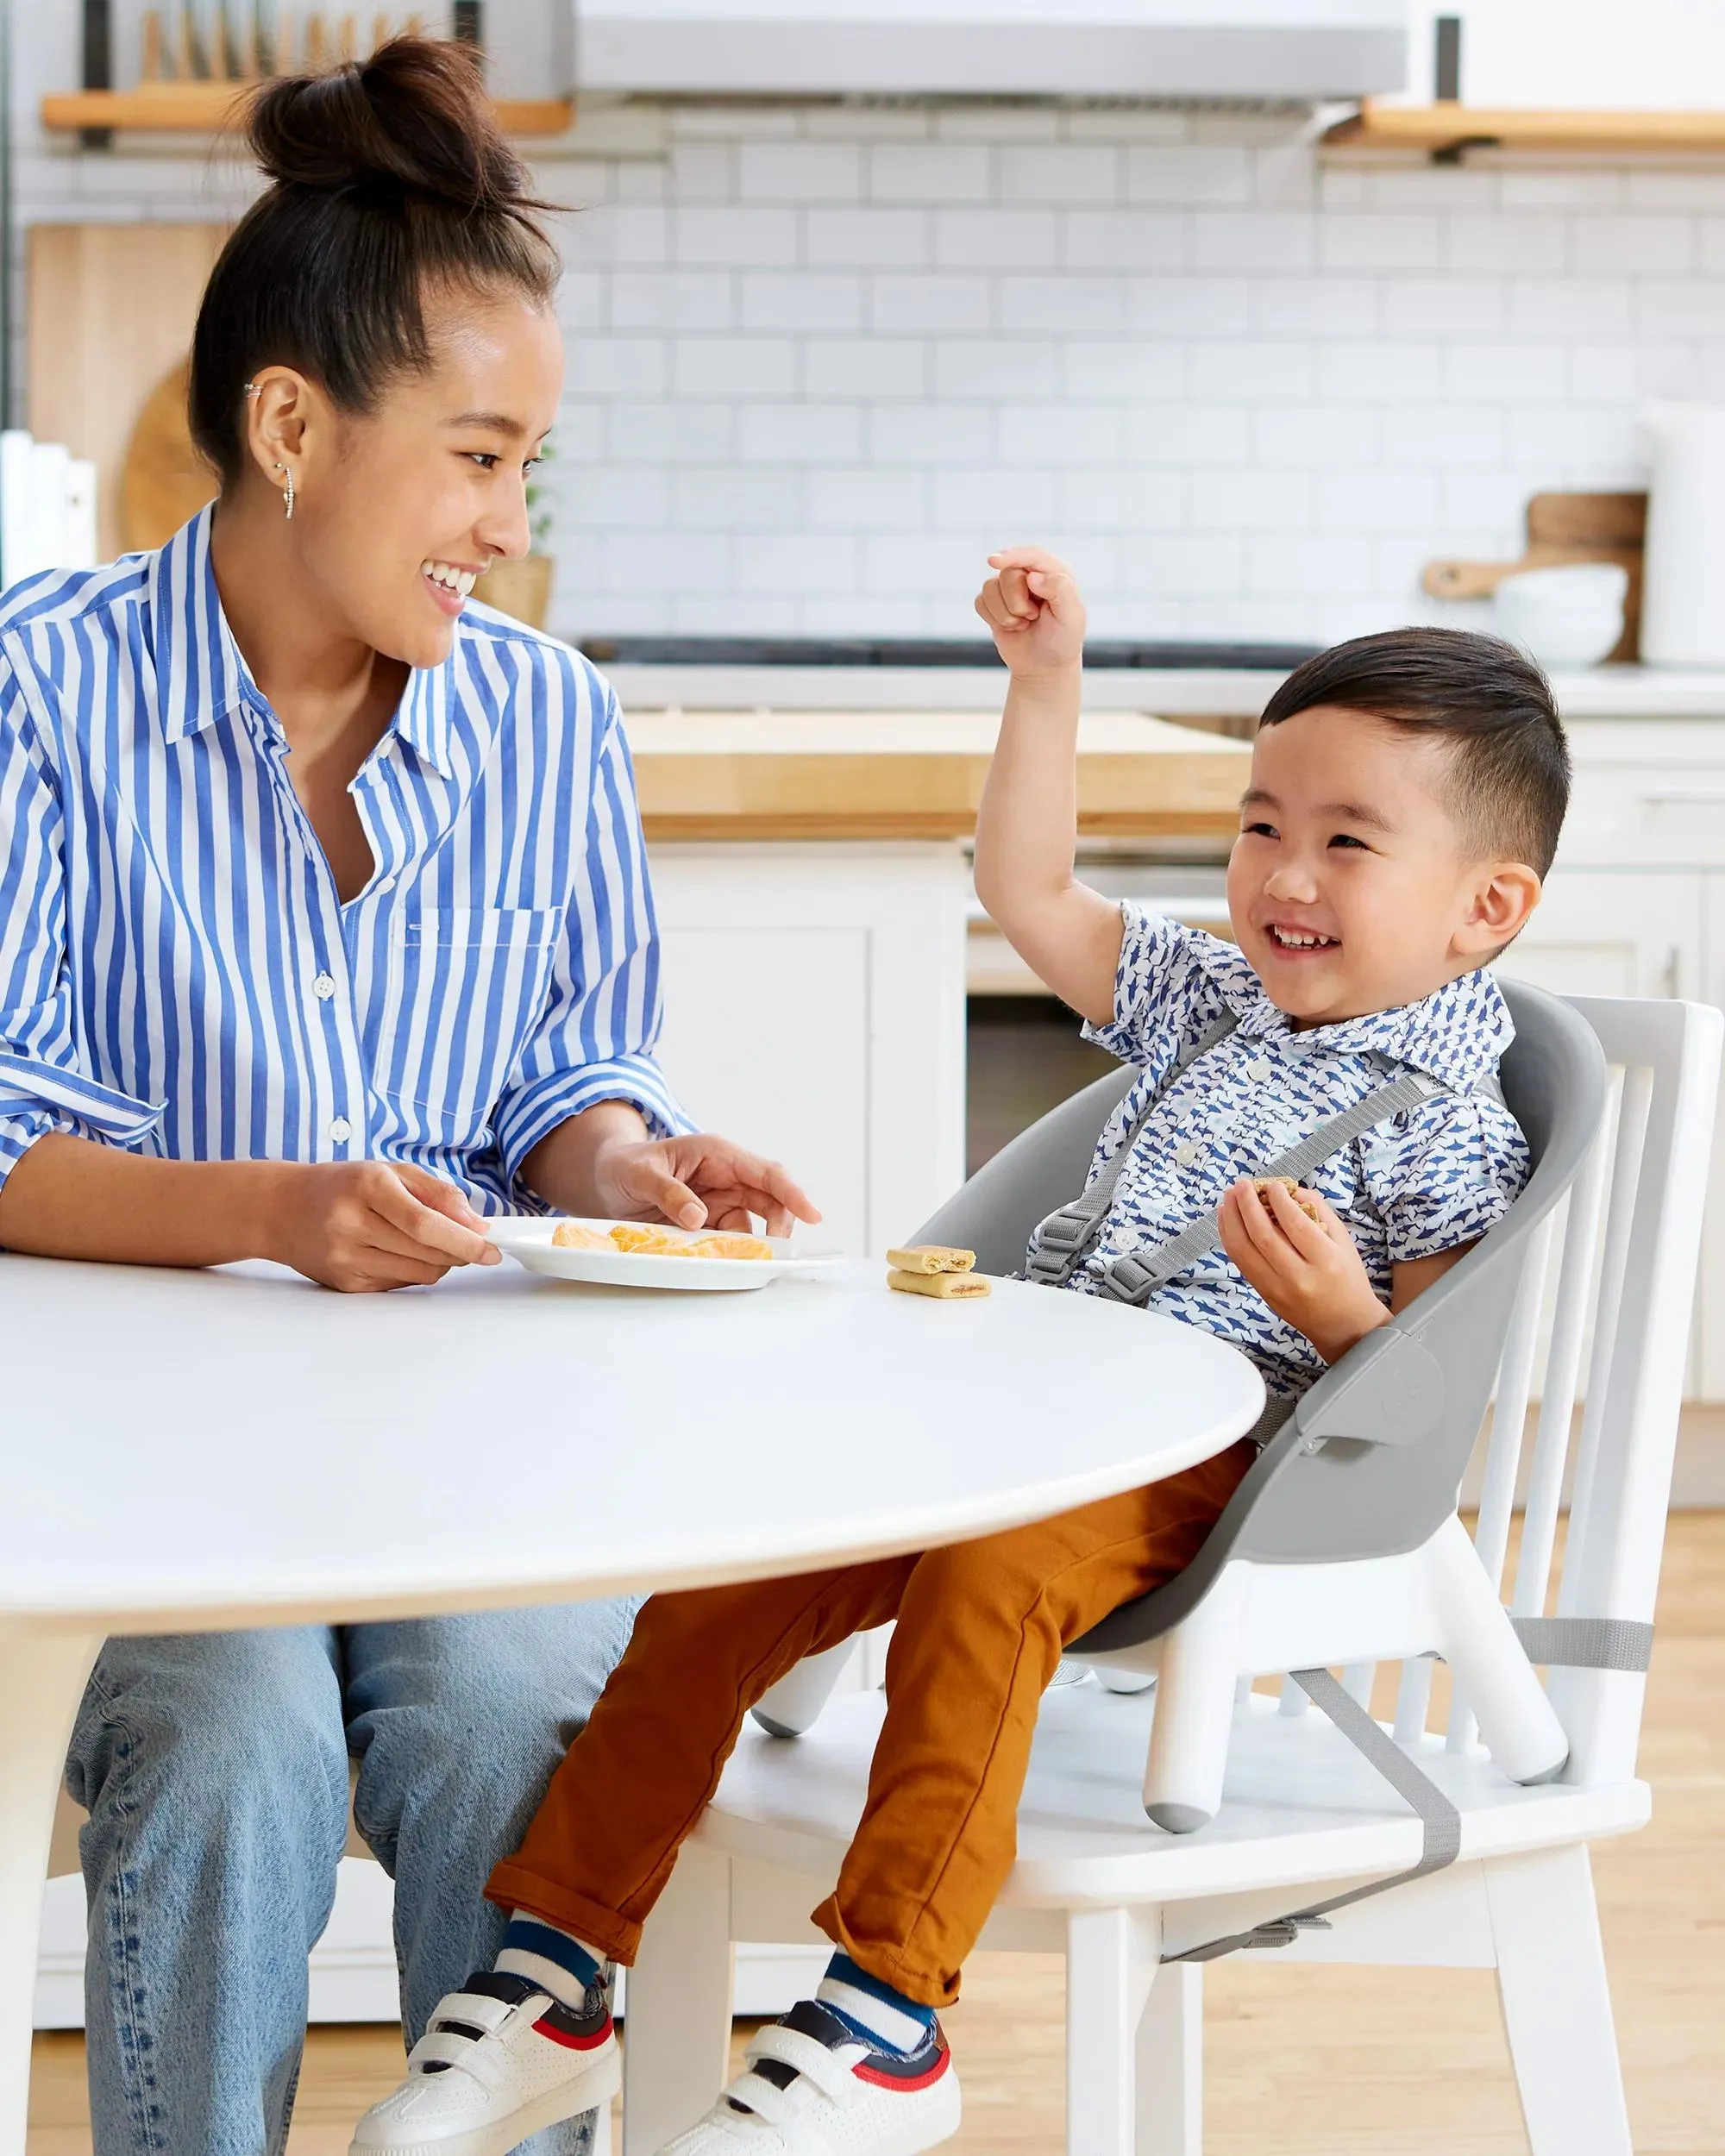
<point x="944" y="1286"/>
<point x="931" y="1257"/>
<point x="1306" y="1199"/>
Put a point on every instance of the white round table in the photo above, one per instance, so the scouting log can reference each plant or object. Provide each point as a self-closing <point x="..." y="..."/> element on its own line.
<point x="186" y="1450"/>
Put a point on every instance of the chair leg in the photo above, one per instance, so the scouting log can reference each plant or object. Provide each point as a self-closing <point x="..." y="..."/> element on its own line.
<point x="1518" y="1722"/>
<point x="1194" y="1705"/>
<point x="676" y="2018"/>
<point x="1111" y="1959"/>
<point x="794" y="1704"/>
<point x="1556" y="2009"/>
<point x="1170" y="2064"/>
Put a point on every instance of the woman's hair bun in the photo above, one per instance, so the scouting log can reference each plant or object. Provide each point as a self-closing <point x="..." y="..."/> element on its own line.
<point x="412" y="119"/>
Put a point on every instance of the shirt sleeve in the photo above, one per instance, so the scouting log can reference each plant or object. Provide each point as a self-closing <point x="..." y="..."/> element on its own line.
<point x="1158" y="981"/>
<point x="41" y="1086"/>
<point x="1454" y="1171"/>
<point x="596" y="1038"/>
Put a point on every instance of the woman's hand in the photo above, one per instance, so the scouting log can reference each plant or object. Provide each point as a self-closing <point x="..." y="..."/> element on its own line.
<point x="699" y="1181"/>
<point x="364" y="1225"/>
<point x="1308" y="1269"/>
<point x="1031" y="604"/>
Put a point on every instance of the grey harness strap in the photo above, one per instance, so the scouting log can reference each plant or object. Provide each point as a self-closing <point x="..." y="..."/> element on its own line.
<point x="1062" y="1242"/>
<point x="1440" y="1820"/>
<point x="1060" y="1245"/>
<point x="1567" y="1643"/>
<point x="1586" y="1643"/>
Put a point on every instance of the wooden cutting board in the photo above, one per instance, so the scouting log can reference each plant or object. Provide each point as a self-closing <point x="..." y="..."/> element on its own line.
<point x="1563" y="528"/>
<point x="164" y="480"/>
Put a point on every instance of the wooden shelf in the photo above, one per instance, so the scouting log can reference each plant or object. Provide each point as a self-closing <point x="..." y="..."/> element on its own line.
<point x="204" y="107"/>
<point x="1447" y="130"/>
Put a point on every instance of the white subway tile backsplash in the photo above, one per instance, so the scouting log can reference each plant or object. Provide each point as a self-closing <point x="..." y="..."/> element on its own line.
<point x="1079" y="306"/>
<point x="869" y="238"/>
<point x="800" y="171"/>
<point x="743" y="235"/>
<point x="800" y="434"/>
<point x="996" y="239"/>
<point x="996" y="367"/>
<point x="1060" y="172"/>
<point x="931" y="172"/>
<point x="991" y="499"/>
<point x="1379" y="240"/>
<point x="1184" y="173"/>
<point x="821" y="358"/>
<point x="870" y="367"/>
<point x="1251" y="500"/>
<point x="928" y="435"/>
<point x="932" y="304"/>
<point x="1505" y="240"/>
<point x="1637" y="246"/>
<point x="1131" y="370"/>
<point x="1283" y="241"/>
<point x="1117" y="239"/>
<point x="735" y="366"/>
<point x="816" y="301"/>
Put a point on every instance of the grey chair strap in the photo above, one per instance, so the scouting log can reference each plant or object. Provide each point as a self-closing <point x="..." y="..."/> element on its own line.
<point x="1131" y="1278"/>
<point x="1586" y="1643"/>
<point x="1062" y="1243"/>
<point x="1441" y="1822"/>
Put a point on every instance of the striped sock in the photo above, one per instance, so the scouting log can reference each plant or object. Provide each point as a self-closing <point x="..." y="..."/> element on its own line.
<point x="556" y="1961"/>
<point x="873" y="2008"/>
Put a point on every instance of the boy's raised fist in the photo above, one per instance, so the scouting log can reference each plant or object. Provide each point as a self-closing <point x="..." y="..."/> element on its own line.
<point x="1031" y="604"/>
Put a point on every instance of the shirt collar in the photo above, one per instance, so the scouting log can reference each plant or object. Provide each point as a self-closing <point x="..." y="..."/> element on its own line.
<point x="1457" y="1033"/>
<point x="201" y="675"/>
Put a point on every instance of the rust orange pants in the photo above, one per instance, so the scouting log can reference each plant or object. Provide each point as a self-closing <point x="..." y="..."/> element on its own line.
<point x="981" y="1626"/>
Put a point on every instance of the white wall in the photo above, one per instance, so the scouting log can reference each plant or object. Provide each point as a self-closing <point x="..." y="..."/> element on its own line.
<point x="823" y="359"/>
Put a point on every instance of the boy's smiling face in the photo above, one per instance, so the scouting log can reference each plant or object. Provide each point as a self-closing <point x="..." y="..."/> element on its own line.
<point x="1352" y="887"/>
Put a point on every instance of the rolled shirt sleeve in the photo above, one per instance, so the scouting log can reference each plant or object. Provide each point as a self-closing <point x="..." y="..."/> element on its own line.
<point x="595" y="1039"/>
<point x="41" y="1086"/>
<point x="1161" y="984"/>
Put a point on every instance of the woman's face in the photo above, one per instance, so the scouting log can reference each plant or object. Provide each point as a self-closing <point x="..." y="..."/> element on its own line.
<point x="397" y="511"/>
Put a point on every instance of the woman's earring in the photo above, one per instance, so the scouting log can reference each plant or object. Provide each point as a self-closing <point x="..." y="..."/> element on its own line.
<point x="288" y="498"/>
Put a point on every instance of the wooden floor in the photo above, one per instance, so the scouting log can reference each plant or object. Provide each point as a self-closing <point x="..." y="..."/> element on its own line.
<point x="1324" y="2062"/>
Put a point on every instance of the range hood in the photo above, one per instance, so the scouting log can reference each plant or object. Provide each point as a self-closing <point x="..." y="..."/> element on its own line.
<point x="1305" y="50"/>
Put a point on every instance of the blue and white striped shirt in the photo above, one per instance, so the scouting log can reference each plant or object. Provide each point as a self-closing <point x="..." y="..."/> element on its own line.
<point x="177" y="972"/>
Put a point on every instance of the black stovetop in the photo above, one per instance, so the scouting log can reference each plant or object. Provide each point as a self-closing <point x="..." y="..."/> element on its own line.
<point x="909" y="651"/>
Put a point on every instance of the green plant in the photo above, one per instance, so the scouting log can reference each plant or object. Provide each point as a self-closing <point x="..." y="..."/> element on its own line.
<point x="539" y="516"/>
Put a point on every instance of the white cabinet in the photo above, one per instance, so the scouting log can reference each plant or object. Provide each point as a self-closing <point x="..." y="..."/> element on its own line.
<point x="1610" y="932"/>
<point x="814" y="999"/>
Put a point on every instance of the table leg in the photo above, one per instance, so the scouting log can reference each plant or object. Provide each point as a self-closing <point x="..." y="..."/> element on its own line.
<point x="42" y="1677"/>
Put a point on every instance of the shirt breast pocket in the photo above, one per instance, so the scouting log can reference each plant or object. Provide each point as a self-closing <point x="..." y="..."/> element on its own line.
<point x="464" y="991"/>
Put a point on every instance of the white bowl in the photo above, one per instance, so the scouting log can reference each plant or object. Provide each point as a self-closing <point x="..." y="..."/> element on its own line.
<point x="1567" y="617"/>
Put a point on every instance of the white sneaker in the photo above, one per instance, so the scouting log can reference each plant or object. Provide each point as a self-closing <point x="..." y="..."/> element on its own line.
<point x="498" y="2061"/>
<point x="814" y="2087"/>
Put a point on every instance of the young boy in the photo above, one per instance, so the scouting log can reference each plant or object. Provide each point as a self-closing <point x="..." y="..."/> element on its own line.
<point x="1406" y="792"/>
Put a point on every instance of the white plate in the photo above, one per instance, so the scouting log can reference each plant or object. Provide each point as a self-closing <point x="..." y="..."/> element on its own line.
<point x="528" y="1241"/>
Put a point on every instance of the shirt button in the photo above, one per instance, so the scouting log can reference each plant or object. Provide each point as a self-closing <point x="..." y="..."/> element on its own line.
<point x="1186" y="1154"/>
<point x="323" y="986"/>
<point x="341" y="1130"/>
<point x="1258" y="1071"/>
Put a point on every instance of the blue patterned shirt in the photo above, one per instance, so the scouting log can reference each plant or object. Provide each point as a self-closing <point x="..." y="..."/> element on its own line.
<point x="178" y="974"/>
<point x="1423" y="1182"/>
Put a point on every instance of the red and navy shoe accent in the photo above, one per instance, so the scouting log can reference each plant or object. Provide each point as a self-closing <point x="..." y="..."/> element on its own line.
<point x="585" y="2031"/>
<point x="902" y="2073"/>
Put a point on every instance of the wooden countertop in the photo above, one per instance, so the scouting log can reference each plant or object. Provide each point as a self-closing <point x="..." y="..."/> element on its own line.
<point x="912" y="775"/>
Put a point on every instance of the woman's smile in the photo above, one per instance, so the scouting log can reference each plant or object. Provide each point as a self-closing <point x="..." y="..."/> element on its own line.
<point x="448" y="583"/>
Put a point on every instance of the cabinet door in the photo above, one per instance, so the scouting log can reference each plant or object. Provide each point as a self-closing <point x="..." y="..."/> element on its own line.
<point x="1611" y="933"/>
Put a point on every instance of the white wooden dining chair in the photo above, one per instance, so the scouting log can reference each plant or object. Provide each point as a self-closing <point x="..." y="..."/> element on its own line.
<point x="1493" y="1873"/>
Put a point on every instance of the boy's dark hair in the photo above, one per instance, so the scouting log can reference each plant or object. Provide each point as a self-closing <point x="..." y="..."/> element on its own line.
<point x="390" y="176"/>
<point x="1488" y="703"/>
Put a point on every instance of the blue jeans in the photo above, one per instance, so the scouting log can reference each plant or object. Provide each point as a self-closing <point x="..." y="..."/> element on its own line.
<point x="214" y="1767"/>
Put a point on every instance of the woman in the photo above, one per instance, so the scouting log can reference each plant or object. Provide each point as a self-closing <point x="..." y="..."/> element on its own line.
<point x="324" y="932"/>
